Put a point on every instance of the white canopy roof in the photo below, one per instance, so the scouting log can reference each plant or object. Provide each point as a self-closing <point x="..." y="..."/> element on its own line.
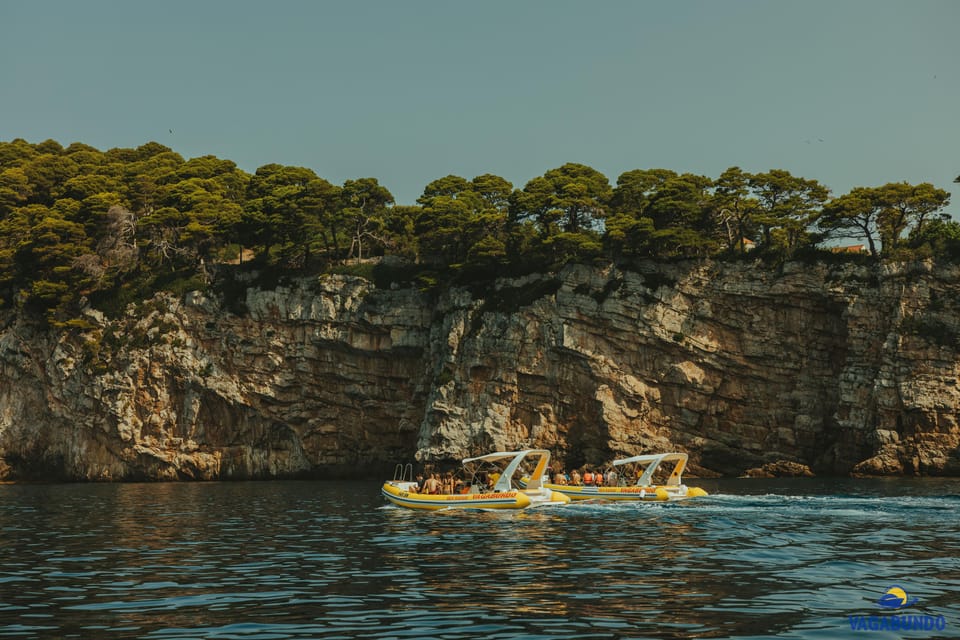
<point x="504" y="481"/>
<point x="653" y="460"/>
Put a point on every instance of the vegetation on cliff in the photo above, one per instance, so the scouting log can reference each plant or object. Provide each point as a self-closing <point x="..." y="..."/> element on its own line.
<point x="109" y="227"/>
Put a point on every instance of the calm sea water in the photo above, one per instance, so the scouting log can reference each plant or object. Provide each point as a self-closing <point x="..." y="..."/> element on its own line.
<point x="791" y="559"/>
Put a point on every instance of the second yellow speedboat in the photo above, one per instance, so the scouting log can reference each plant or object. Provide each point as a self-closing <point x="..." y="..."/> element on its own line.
<point x="645" y="489"/>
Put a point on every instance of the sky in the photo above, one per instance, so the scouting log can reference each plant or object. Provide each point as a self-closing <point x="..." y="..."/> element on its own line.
<point x="848" y="92"/>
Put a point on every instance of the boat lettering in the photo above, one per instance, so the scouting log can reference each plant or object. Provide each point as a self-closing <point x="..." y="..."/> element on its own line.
<point x="448" y="498"/>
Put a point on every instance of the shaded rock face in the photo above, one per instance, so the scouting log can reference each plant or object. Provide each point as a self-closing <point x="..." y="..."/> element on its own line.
<point x="781" y="469"/>
<point x="842" y="369"/>
<point x="315" y="379"/>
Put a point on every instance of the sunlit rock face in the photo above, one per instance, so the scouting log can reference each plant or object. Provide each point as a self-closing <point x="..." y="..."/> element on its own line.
<point x="837" y="368"/>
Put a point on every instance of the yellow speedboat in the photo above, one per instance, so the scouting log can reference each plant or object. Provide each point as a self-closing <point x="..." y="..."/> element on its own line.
<point x="645" y="489"/>
<point x="503" y="494"/>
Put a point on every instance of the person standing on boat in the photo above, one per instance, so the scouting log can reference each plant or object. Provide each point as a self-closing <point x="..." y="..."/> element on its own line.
<point x="432" y="484"/>
<point x="448" y="483"/>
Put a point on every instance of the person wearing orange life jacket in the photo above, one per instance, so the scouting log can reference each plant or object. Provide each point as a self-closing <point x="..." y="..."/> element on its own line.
<point x="588" y="478"/>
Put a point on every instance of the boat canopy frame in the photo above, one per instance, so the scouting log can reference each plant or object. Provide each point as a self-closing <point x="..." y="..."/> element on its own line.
<point x="505" y="481"/>
<point x="652" y="462"/>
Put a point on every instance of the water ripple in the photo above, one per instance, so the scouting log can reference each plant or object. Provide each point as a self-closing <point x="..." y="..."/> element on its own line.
<point x="791" y="559"/>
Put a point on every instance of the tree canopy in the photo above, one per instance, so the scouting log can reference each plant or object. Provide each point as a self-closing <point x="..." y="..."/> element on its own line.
<point x="79" y="225"/>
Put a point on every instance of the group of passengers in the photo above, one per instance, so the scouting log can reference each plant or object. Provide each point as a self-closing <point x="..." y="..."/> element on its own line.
<point x="587" y="477"/>
<point x="447" y="483"/>
<point x="438" y="483"/>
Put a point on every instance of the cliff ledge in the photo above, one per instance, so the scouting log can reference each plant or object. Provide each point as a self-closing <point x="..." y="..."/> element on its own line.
<point x="840" y="368"/>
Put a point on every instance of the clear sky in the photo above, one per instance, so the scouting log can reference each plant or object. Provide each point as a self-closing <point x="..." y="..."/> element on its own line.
<point x="848" y="92"/>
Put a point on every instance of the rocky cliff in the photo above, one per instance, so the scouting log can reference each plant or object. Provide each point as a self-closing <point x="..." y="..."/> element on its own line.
<point x="841" y="368"/>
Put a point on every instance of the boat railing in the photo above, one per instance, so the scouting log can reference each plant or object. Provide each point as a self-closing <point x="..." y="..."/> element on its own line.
<point x="403" y="472"/>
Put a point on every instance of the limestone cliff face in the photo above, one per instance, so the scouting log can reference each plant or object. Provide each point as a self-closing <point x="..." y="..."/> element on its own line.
<point x="841" y="368"/>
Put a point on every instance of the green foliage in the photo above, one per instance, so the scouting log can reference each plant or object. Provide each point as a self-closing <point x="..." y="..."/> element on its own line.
<point x="110" y="228"/>
<point x="364" y="270"/>
<point x="937" y="238"/>
<point x="629" y="235"/>
<point x="907" y="206"/>
<point x="462" y="222"/>
<point x="568" y="199"/>
<point x="787" y="204"/>
<point x="680" y="203"/>
<point x="882" y="215"/>
<point x="570" y="247"/>
<point x="735" y="208"/>
<point x="186" y="284"/>
<point x="363" y="205"/>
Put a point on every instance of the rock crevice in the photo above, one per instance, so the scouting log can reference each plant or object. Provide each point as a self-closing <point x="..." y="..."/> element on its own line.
<point x="839" y="369"/>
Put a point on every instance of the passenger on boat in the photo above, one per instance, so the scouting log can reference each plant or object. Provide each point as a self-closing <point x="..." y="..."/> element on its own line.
<point x="418" y="487"/>
<point x="492" y="479"/>
<point x="559" y="477"/>
<point x="447" y="486"/>
<point x="575" y="478"/>
<point x="598" y="478"/>
<point x="432" y="484"/>
<point x="612" y="478"/>
<point x="588" y="477"/>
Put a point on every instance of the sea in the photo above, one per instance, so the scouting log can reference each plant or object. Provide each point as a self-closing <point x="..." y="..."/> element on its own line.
<point x="790" y="558"/>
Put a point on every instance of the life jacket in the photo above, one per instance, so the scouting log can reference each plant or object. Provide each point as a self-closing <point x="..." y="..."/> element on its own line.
<point x="598" y="479"/>
<point x="587" y="477"/>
